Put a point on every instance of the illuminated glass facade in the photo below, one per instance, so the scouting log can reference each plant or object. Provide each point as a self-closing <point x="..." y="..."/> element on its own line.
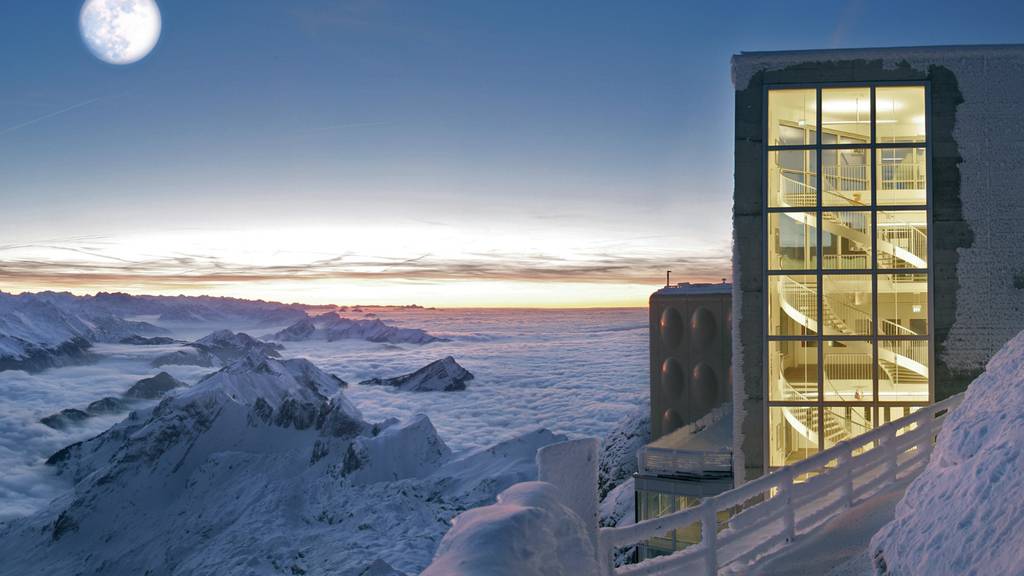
<point x="848" y="337"/>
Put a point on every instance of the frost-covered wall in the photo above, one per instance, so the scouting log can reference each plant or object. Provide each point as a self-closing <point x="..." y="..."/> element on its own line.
<point x="977" y="137"/>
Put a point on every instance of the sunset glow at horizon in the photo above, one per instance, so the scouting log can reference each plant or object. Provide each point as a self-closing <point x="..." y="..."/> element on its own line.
<point x="409" y="263"/>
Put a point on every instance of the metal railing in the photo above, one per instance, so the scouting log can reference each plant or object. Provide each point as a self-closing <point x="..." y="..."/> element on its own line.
<point x="903" y="176"/>
<point x="776" y="509"/>
<point x="846" y="261"/>
<point x="846" y="178"/>
<point x="848" y="366"/>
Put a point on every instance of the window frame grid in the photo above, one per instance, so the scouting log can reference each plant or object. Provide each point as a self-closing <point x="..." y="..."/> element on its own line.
<point x="873" y="146"/>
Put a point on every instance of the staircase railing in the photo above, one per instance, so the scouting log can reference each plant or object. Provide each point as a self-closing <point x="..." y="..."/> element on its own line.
<point x="774" y="510"/>
<point x="844" y="308"/>
<point x="802" y="299"/>
<point x="795" y="193"/>
<point x="907" y="237"/>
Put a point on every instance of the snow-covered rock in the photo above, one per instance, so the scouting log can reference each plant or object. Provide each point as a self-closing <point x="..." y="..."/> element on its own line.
<point x="410" y="450"/>
<point x="444" y="375"/>
<point x="619" y="507"/>
<point x="107" y="405"/>
<point x="380" y="568"/>
<point x="218" y="348"/>
<point x="65" y="418"/>
<point x="617" y="461"/>
<point x="263" y="467"/>
<point x="331" y="327"/>
<point x="964" y="514"/>
<point x="528" y="531"/>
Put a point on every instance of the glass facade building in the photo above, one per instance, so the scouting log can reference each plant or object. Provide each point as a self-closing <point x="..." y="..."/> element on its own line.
<point x="846" y="237"/>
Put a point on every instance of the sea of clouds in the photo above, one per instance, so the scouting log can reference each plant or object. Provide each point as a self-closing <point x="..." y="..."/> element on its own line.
<point x="575" y="372"/>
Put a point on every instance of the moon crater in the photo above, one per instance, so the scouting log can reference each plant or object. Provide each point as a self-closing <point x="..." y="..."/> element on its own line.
<point x="120" y="31"/>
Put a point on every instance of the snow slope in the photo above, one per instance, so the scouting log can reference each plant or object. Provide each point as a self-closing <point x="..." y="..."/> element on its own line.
<point x="964" y="514"/>
<point x="263" y="467"/>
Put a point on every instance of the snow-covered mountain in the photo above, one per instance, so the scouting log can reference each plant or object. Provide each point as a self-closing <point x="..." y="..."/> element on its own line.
<point x="331" y="327"/>
<point x="46" y="330"/>
<point x="263" y="467"/>
<point x="444" y="375"/>
<point x="189" y="309"/>
<point x="52" y="329"/>
<point x="216" y="349"/>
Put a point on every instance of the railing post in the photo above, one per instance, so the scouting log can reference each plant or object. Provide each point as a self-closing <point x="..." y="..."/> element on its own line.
<point x="605" y="556"/>
<point x="891" y="455"/>
<point x="845" y="465"/>
<point x="709" y="536"/>
<point x="928" y="426"/>
<point x="572" y="467"/>
<point x="788" y="514"/>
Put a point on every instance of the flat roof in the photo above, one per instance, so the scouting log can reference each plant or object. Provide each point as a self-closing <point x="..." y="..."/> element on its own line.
<point x="687" y="288"/>
<point x="745" y="64"/>
<point x="883" y="50"/>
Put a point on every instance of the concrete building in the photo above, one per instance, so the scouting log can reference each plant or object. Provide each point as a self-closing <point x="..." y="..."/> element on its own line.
<point x="690" y="456"/>
<point x="878" y="263"/>
<point x="877" y="237"/>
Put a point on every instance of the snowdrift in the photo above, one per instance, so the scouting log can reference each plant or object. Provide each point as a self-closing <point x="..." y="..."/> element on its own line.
<point x="528" y="531"/>
<point x="965" y="513"/>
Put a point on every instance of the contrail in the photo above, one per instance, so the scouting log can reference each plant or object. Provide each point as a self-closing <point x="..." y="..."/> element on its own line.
<point x="50" y="115"/>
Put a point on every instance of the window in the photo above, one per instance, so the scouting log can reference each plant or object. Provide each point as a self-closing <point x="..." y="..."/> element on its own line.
<point x="848" y="341"/>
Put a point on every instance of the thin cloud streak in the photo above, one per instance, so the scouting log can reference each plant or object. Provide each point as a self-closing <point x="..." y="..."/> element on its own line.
<point x="10" y="129"/>
<point x="200" y="271"/>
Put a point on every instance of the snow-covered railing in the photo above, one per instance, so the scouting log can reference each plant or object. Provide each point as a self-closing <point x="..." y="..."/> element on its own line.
<point x="773" y="510"/>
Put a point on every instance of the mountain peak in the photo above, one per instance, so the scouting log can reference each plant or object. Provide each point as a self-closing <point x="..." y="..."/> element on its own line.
<point x="444" y="375"/>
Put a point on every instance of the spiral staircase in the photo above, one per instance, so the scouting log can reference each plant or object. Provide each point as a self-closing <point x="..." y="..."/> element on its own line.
<point x="900" y="362"/>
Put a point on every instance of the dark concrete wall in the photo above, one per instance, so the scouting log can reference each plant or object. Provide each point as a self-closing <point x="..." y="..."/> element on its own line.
<point x="949" y="230"/>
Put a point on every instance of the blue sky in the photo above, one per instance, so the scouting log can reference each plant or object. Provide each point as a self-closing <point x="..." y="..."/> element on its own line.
<point x="476" y="153"/>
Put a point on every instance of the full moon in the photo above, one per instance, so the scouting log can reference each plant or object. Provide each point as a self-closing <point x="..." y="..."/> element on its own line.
<point x="120" y="31"/>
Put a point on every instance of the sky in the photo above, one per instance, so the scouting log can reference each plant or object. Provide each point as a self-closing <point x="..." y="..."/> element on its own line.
<point x="452" y="154"/>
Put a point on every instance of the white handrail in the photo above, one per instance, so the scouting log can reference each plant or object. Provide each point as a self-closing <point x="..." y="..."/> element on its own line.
<point x="783" y="508"/>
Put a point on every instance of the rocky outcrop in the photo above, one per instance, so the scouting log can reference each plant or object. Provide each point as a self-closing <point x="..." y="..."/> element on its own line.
<point x="107" y="405"/>
<point x="65" y="418"/>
